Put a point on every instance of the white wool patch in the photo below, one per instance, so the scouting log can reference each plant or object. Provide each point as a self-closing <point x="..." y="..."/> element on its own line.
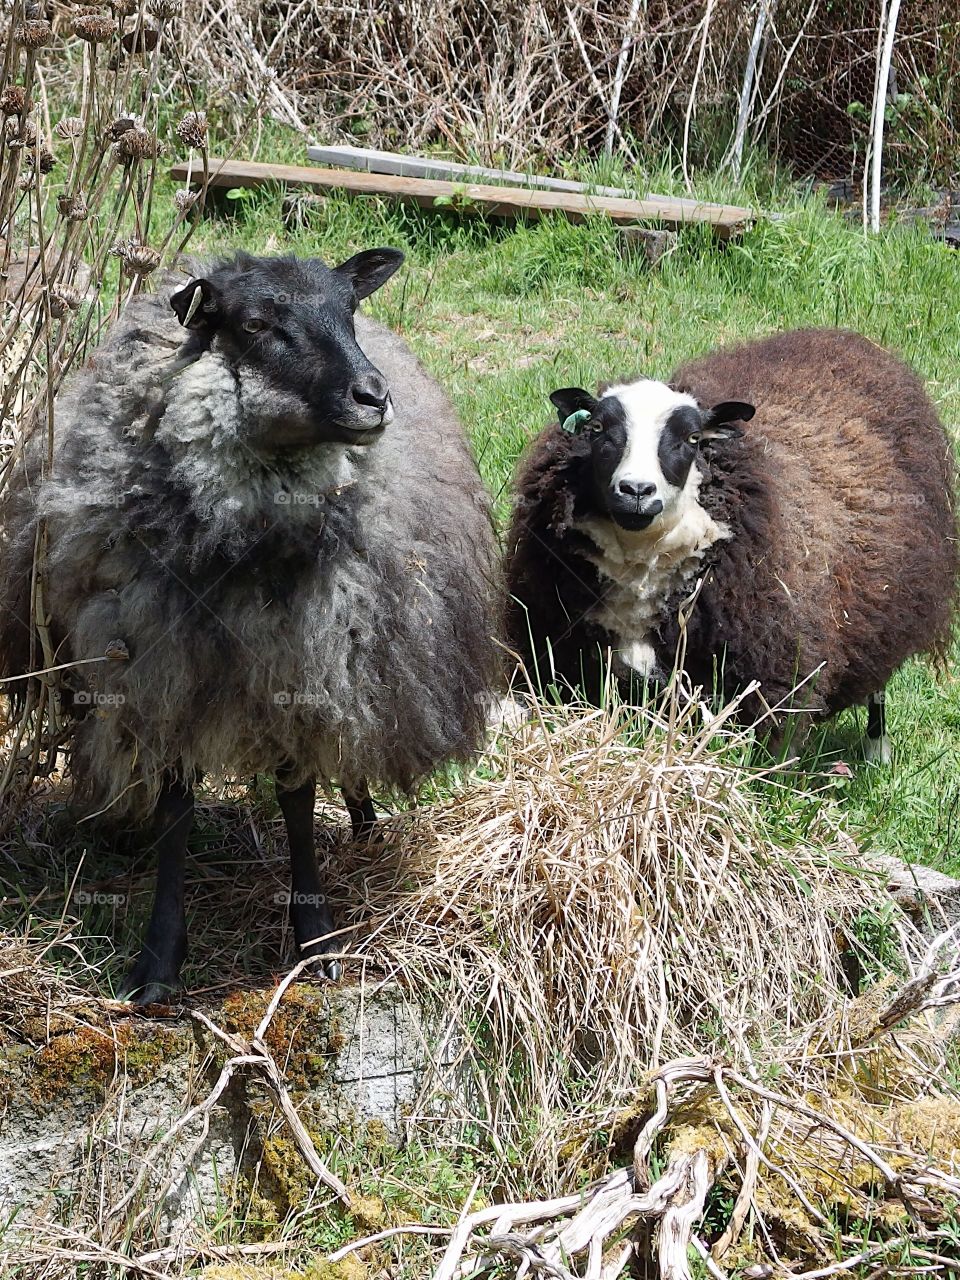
<point x="647" y="405"/>
<point x="203" y="429"/>
<point x="877" y="750"/>
<point x="641" y="657"/>
<point x="642" y="569"/>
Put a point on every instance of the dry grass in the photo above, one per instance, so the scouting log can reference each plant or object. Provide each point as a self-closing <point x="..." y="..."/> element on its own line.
<point x="82" y="226"/>
<point x="607" y="900"/>
<point x="631" y="959"/>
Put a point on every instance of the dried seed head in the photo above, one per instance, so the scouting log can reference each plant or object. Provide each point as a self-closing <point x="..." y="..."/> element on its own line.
<point x="137" y="144"/>
<point x="185" y="200"/>
<point x="68" y="127"/>
<point x="27" y="181"/>
<point x="62" y="300"/>
<point x="13" y="100"/>
<point x="21" y="133"/>
<point x="123" y="8"/>
<point x="164" y="9"/>
<point x="74" y="208"/>
<point x="94" y="27"/>
<point x="192" y="129"/>
<point x="33" y="34"/>
<point x="43" y="160"/>
<point x="138" y="259"/>
<point x="141" y="39"/>
<point x="121" y="125"/>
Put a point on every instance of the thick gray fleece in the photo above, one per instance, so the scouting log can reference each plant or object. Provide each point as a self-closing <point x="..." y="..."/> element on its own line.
<point x="331" y="610"/>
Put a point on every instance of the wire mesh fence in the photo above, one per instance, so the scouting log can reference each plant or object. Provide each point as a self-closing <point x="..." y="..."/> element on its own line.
<point x="523" y="79"/>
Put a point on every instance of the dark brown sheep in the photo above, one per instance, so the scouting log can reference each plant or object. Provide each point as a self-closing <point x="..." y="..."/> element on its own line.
<point x="824" y="531"/>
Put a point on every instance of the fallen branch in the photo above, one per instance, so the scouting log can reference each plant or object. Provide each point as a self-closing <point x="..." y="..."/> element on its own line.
<point x="408" y="1229"/>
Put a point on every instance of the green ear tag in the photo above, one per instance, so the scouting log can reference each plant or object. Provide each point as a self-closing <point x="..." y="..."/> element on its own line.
<point x="575" y="421"/>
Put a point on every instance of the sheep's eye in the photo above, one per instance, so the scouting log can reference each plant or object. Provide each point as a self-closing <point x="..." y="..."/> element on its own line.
<point x="693" y="438"/>
<point x="254" y="326"/>
<point x="595" y="428"/>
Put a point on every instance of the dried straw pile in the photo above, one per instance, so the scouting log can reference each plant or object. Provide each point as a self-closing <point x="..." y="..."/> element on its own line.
<point x="610" y="898"/>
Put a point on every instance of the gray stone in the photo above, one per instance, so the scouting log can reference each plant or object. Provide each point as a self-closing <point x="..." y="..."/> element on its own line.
<point x="85" y="1108"/>
<point x="644" y="242"/>
<point x="929" y="897"/>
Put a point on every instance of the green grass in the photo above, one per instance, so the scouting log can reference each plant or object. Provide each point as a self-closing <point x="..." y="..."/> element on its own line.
<point x="503" y="314"/>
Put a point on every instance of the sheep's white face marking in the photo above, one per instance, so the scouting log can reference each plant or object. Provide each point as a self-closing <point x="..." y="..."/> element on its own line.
<point x="653" y="532"/>
<point x="654" y="462"/>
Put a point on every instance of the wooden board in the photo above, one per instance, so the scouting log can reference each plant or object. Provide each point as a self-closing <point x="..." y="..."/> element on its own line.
<point x="370" y="160"/>
<point x="501" y="202"/>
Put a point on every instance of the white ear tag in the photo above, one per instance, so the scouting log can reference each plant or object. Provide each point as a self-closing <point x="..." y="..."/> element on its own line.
<point x="194" y="306"/>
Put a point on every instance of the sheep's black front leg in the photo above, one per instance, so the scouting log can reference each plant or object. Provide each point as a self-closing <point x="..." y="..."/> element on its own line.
<point x="363" y="816"/>
<point x="156" y="972"/>
<point x="309" y="913"/>
<point x="876" y="745"/>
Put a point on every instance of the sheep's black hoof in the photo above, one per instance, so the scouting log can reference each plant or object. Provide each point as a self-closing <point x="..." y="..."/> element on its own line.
<point x="147" y="983"/>
<point x="312" y="926"/>
<point x="330" y="967"/>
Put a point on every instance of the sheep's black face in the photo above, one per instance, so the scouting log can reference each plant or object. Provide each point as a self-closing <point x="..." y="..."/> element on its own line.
<point x="644" y="438"/>
<point x="285" y="328"/>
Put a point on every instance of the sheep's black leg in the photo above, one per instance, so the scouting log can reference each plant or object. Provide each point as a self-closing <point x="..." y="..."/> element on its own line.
<point x="363" y="816"/>
<point x="876" y="745"/>
<point x="156" y="972"/>
<point x="309" y="913"/>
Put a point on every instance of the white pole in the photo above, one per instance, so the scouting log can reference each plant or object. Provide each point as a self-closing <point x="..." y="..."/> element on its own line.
<point x="764" y="9"/>
<point x="879" y="112"/>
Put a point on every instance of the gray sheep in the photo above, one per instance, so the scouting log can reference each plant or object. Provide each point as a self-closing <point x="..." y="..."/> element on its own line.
<point x="274" y="525"/>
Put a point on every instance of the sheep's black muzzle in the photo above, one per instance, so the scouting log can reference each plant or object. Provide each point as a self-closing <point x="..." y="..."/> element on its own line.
<point x="633" y="512"/>
<point x="362" y="409"/>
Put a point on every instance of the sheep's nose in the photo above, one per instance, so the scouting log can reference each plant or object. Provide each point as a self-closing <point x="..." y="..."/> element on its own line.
<point x="371" y="389"/>
<point x="635" y="489"/>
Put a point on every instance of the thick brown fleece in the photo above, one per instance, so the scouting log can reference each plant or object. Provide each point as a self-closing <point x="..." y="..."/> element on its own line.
<point x="841" y="499"/>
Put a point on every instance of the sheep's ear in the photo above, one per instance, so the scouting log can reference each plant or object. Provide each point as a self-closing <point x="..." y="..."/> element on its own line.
<point x="196" y="305"/>
<point x="718" y="422"/>
<point x="368" y="270"/>
<point x="574" y="406"/>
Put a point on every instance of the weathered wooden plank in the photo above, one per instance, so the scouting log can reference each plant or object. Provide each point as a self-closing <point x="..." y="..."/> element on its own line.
<point x="369" y="160"/>
<point x="503" y="202"/>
